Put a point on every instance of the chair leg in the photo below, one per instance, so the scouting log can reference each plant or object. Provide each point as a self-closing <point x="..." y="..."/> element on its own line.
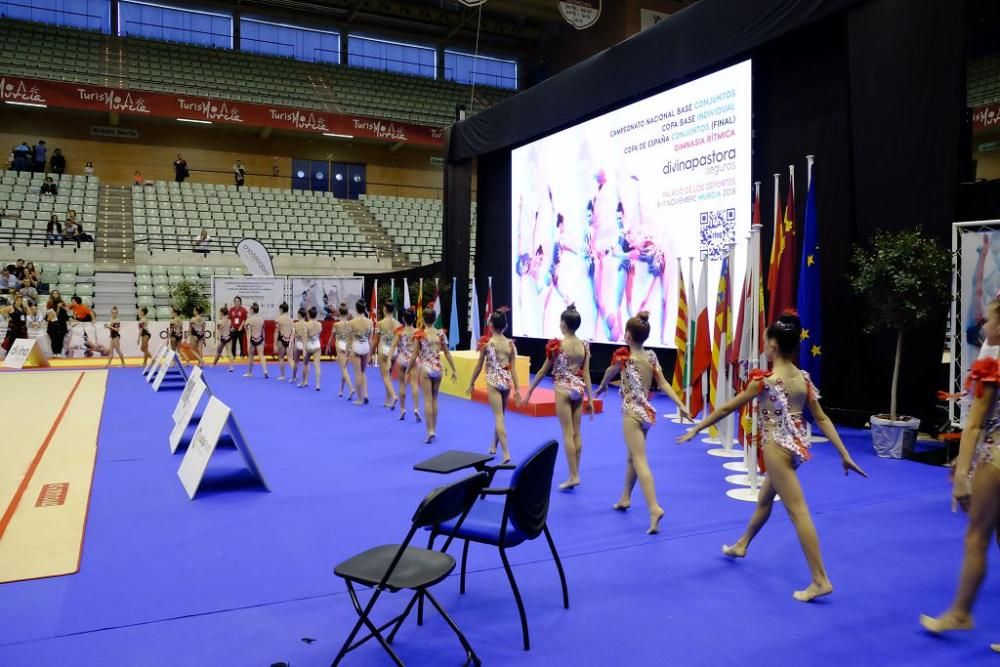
<point x="362" y="613"/>
<point x="470" y="654"/>
<point x="465" y="559"/>
<point x="402" y="617"/>
<point x="562" y="575"/>
<point x="517" y="598"/>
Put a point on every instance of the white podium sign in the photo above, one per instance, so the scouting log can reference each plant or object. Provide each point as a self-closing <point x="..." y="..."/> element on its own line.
<point x="155" y="359"/>
<point x="22" y="351"/>
<point x="166" y="365"/>
<point x="216" y="419"/>
<point x="188" y="404"/>
<point x="194" y="377"/>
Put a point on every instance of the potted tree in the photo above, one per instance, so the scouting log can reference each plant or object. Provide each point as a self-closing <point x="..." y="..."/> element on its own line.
<point x="186" y="295"/>
<point x="905" y="279"/>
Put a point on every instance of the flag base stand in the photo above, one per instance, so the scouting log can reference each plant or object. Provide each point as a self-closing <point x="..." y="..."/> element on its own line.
<point x="736" y="466"/>
<point x="712" y="440"/>
<point x="746" y="494"/>
<point x="680" y="420"/>
<point x="724" y="453"/>
<point x="738" y="480"/>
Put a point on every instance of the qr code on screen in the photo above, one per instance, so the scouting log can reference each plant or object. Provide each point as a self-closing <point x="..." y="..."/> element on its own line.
<point x="717" y="232"/>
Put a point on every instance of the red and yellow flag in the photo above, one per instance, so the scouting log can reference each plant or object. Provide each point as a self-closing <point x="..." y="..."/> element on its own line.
<point x="781" y="271"/>
<point x="680" y="381"/>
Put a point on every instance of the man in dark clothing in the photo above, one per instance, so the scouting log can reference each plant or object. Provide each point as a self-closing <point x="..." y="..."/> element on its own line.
<point x="49" y="187"/>
<point x="22" y="156"/>
<point x="41" y="153"/>
<point x="57" y="163"/>
<point x="180" y="169"/>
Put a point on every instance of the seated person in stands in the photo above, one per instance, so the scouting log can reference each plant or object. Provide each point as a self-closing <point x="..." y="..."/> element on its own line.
<point x="88" y="170"/>
<point x="49" y="187"/>
<point x="19" y="269"/>
<point x="9" y="281"/>
<point x="203" y="242"/>
<point x="71" y="232"/>
<point x="31" y="272"/>
<point x="137" y="178"/>
<point x="80" y="312"/>
<point x="28" y="290"/>
<point x="82" y="235"/>
<point x="57" y="163"/>
<point x="53" y="230"/>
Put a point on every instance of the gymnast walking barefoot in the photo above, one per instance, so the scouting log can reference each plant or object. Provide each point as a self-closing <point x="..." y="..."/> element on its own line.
<point x="312" y="352"/>
<point x="639" y="369"/>
<point x="342" y="334"/>
<point x="255" y="340"/>
<point x="384" y="338"/>
<point x="196" y="334"/>
<point x="499" y="355"/>
<point x="569" y="361"/>
<point x="783" y="392"/>
<point x="429" y="343"/>
<point x="144" y="335"/>
<point x="282" y="339"/>
<point x="224" y="332"/>
<point x="361" y="350"/>
<point x="300" y="334"/>
<point x="114" y="327"/>
<point x="175" y="330"/>
<point x="402" y="352"/>
<point x="976" y="488"/>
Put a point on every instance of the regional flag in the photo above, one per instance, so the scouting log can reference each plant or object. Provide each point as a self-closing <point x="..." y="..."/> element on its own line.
<point x="436" y="306"/>
<point x="811" y="347"/>
<point x="474" y="318"/>
<point x="721" y="339"/>
<point x="780" y="274"/>
<point x="701" y="360"/>
<point x="680" y="382"/>
<point x="406" y="296"/>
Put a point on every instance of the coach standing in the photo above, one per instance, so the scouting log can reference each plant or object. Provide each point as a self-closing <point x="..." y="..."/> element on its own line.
<point x="238" y="321"/>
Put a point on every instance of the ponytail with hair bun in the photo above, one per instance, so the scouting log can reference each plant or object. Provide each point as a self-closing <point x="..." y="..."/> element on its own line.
<point x="638" y="326"/>
<point x="786" y="332"/>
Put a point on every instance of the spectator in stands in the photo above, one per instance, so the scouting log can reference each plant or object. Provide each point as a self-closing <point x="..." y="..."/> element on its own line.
<point x="30" y="272"/>
<point x="203" y="243"/>
<point x="19" y="269"/>
<point x="71" y="232"/>
<point x="28" y="291"/>
<point x="81" y="313"/>
<point x="274" y="166"/>
<point x="10" y="158"/>
<point x="22" y="156"/>
<point x="8" y="281"/>
<point x="237" y="323"/>
<point x="53" y="230"/>
<point x="49" y="187"/>
<point x="239" y="173"/>
<point x="41" y="155"/>
<point x="57" y="163"/>
<point x="180" y="169"/>
<point x="88" y="169"/>
<point x="82" y="235"/>
<point x="137" y="178"/>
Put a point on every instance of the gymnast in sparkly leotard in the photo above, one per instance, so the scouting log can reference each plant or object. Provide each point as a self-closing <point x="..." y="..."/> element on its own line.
<point x="498" y="354"/>
<point x="429" y="345"/>
<point x="409" y="373"/>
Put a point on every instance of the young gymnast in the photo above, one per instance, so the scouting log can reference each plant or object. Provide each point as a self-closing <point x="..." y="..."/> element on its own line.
<point x="342" y="333"/>
<point x="311" y="346"/>
<point x="196" y="335"/>
<point x="283" y="339"/>
<point x="223" y="330"/>
<point x="255" y="340"/>
<point x="114" y="327"/>
<point x="498" y="353"/>
<point x="569" y="360"/>
<point x="361" y="349"/>
<point x="976" y="486"/>
<point x="300" y="332"/>
<point x="175" y="330"/>
<point x="784" y="445"/>
<point x="384" y="339"/>
<point x="639" y="369"/>
<point x="144" y="335"/>
<point x="402" y="352"/>
<point x="429" y="343"/>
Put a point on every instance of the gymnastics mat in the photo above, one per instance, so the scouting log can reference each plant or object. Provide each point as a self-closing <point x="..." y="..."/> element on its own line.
<point x="49" y="453"/>
<point x="543" y="403"/>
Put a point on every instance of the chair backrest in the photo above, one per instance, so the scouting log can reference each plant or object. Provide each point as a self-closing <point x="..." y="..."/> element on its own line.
<point x="449" y="501"/>
<point x="528" y="503"/>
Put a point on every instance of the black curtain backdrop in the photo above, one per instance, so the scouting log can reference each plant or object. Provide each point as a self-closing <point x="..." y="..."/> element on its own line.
<point x="876" y="98"/>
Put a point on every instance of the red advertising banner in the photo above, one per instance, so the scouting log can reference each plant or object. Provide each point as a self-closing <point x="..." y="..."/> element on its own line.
<point x="34" y="92"/>
<point x="986" y="117"/>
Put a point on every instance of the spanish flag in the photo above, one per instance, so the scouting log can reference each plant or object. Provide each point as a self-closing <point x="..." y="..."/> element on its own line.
<point x="680" y="382"/>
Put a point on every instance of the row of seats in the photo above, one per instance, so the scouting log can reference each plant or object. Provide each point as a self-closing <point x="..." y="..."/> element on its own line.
<point x="414" y="223"/>
<point x="46" y="51"/>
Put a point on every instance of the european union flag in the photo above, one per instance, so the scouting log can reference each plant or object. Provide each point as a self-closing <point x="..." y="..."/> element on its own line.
<point x="811" y="347"/>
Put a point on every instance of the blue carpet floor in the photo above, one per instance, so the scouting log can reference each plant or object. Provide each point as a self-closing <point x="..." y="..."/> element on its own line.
<point x="243" y="577"/>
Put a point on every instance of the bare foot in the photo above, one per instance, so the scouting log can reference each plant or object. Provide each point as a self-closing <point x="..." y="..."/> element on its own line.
<point x="569" y="484"/>
<point x="622" y="505"/>
<point x="654" y="521"/>
<point x="734" y="551"/>
<point x="813" y="591"/>
<point x="946" y="622"/>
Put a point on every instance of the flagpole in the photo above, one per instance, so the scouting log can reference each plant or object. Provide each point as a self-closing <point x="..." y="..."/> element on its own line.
<point x="740" y="466"/>
<point x="708" y="373"/>
<point x="392" y="296"/>
<point x="689" y="353"/>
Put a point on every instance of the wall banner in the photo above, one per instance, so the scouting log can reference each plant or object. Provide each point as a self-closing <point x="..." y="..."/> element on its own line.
<point x="325" y="294"/>
<point x="268" y="293"/>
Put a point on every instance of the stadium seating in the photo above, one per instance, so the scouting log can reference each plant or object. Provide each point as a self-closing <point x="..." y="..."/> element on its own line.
<point x="49" y="52"/>
<point x="27" y="213"/>
<point x="414" y="224"/>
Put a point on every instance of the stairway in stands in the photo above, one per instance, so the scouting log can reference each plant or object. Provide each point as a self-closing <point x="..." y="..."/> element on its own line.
<point x="114" y="288"/>
<point x="114" y="241"/>
<point x="376" y="234"/>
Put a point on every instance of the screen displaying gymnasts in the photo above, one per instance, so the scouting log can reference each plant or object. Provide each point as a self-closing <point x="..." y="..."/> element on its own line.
<point x="602" y="211"/>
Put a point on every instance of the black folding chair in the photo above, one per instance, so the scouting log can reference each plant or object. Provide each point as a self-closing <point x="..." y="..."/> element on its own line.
<point x="522" y="517"/>
<point x="396" y="567"/>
